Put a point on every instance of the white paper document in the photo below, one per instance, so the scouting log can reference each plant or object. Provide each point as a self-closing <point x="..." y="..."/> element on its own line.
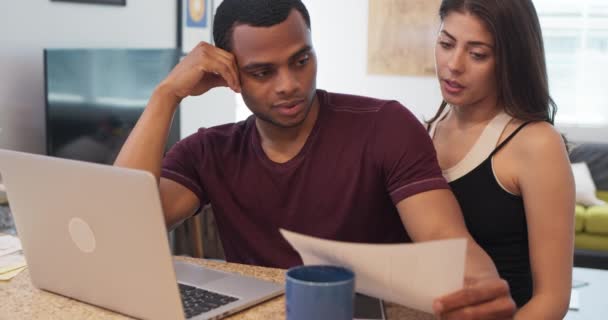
<point x="9" y="244"/>
<point x="412" y="274"/>
<point x="11" y="265"/>
<point x="11" y="262"/>
<point x="574" y="300"/>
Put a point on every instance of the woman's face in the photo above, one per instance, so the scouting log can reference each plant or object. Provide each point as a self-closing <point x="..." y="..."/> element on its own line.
<point x="465" y="60"/>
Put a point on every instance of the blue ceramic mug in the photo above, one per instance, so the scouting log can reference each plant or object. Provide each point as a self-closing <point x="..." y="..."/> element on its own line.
<point x="319" y="292"/>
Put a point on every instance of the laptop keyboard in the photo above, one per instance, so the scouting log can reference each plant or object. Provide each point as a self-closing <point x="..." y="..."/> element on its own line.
<point x="197" y="301"/>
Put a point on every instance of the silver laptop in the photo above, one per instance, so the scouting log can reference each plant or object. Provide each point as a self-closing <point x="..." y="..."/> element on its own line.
<point x="96" y="233"/>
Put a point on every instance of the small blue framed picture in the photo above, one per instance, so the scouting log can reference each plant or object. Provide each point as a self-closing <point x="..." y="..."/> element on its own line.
<point x="196" y="13"/>
<point x="194" y="23"/>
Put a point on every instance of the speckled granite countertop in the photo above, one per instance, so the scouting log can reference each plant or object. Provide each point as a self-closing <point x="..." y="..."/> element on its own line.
<point x="20" y="300"/>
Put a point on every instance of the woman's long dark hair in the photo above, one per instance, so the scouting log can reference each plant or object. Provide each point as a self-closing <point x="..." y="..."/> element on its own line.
<point x="521" y="71"/>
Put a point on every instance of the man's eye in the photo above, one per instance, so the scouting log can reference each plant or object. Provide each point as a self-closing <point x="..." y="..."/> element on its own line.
<point x="304" y="60"/>
<point x="260" y="74"/>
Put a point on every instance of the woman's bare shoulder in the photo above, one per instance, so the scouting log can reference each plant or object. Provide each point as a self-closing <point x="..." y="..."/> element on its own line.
<point x="538" y="139"/>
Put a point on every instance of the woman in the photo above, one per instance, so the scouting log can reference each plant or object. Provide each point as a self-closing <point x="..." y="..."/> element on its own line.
<point x="498" y="149"/>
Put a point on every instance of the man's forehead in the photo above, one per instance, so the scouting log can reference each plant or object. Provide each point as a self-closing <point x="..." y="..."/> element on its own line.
<point x="253" y="42"/>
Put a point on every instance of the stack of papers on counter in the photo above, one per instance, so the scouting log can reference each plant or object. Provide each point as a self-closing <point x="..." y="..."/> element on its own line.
<point x="11" y="258"/>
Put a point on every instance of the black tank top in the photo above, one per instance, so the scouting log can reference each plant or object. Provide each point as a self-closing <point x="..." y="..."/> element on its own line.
<point x="497" y="221"/>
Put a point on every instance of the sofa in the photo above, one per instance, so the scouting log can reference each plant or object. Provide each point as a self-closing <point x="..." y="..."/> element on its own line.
<point x="591" y="220"/>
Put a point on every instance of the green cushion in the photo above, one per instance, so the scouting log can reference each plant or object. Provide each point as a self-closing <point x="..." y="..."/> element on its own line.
<point x="591" y="242"/>
<point x="579" y="218"/>
<point x="602" y="195"/>
<point x="596" y="221"/>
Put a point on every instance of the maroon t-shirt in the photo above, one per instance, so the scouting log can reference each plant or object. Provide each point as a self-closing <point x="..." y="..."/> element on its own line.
<point x="362" y="157"/>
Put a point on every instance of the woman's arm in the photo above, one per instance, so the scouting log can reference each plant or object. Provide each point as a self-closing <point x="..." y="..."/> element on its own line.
<point x="547" y="187"/>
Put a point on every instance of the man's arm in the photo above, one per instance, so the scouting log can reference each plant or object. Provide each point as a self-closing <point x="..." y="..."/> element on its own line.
<point x="144" y="150"/>
<point x="204" y="68"/>
<point x="434" y="215"/>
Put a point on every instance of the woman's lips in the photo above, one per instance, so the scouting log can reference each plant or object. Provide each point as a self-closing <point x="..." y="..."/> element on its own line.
<point x="452" y="87"/>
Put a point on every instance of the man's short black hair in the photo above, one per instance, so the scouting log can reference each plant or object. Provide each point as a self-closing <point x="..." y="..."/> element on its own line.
<point x="256" y="13"/>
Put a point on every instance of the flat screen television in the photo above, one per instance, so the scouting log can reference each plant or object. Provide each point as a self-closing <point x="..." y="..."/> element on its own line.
<point x="94" y="97"/>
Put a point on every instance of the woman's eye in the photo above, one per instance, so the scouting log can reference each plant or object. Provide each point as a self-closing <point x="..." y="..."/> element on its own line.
<point x="445" y="45"/>
<point x="478" y="56"/>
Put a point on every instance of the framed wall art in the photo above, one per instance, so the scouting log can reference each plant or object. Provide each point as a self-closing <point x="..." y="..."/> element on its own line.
<point x="401" y="37"/>
<point x="195" y="21"/>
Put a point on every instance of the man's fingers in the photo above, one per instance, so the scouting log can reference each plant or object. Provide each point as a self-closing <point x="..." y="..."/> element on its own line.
<point x="223" y="53"/>
<point x="230" y="61"/>
<point x="219" y="62"/>
<point x="216" y="81"/>
<point x="227" y="70"/>
<point x="238" y="77"/>
<point x="475" y="294"/>
<point x="232" y="68"/>
<point x="498" y="309"/>
<point x="222" y="68"/>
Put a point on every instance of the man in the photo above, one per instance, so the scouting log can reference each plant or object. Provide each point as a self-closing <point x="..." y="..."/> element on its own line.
<point x="334" y="166"/>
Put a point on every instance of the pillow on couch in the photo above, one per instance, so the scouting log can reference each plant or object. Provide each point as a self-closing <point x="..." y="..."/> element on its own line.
<point x="585" y="188"/>
<point x="595" y="155"/>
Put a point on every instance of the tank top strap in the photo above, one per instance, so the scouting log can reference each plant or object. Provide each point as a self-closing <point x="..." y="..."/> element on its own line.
<point x="504" y="143"/>
<point x="480" y="151"/>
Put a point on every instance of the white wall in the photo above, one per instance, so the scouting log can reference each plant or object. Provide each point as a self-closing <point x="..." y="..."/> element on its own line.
<point x="28" y="26"/>
<point x="218" y="106"/>
<point x="339" y="30"/>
